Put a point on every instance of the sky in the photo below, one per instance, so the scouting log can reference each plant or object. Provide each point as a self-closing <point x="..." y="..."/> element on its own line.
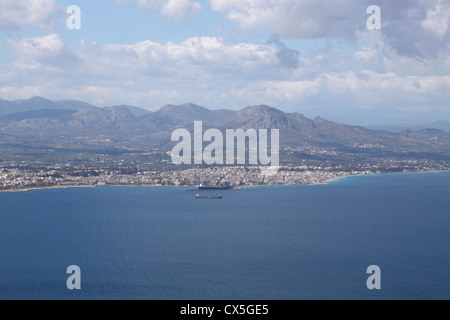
<point x="315" y="57"/>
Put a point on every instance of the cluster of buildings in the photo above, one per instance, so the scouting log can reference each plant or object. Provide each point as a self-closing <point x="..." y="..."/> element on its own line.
<point x="248" y="176"/>
<point x="13" y="179"/>
<point x="238" y="176"/>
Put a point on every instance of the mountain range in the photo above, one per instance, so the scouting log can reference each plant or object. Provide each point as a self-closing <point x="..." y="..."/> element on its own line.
<point x="39" y="122"/>
<point x="440" y="125"/>
<point x="39" y="103"/>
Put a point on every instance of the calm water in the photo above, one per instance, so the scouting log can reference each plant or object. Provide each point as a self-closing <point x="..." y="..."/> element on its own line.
<point x="302" y="242"/>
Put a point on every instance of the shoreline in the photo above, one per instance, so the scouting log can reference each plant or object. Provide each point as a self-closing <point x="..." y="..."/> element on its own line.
<point x="43" y="188"/>
<point x="379" y="174"/>
<point x="326" y="182"/>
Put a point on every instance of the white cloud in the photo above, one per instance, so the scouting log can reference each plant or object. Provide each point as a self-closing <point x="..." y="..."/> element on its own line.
<point x="110" y="95"/>
<point x="21" y="92"/>
<point x="180" y="9"/>
<point x="169" y="71"/>
<point x="38" y="47"/>
<point x="438" y="19"/>
<point x="349" y="90"/>
<point x="42" y="52"/>
<point x="97" y="95"/>
<point x="37" y="13"/>
<point x="172" y="9"/>
<point x="200" y="58"/>
<point x="296" y="18"/>
<point x="416" y="28"/>
<point x="211" y="72"/>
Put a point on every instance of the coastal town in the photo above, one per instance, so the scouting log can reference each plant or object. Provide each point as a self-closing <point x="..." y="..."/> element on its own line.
<point x="16" y="179"/>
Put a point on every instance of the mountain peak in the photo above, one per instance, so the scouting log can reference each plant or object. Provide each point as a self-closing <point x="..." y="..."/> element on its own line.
<point x="259" y="109"/>
<point x="39" y="103"/>
<point x="116" y="108"/>
<point x="192" y="105"/>
<point x="185" y="115"/>
<point x="257" y="117"/>
<point x="120" y="114"/>
<point x="169" y="108"/>
<point x="135" y="111"/>
<point x="319" y="120"/>
<point x="38" y="99"/>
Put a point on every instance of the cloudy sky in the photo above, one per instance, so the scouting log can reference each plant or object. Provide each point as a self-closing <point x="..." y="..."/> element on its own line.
<point x="315" y="57"/>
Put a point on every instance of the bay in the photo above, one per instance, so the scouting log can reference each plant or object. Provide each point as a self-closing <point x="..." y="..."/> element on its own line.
<point x="278" y="242"/>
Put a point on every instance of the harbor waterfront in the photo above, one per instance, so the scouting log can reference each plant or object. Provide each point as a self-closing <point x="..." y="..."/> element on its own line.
<point x="272" y="242"/>
<point x="238" y="177"/>
<point x="17" y="179"/>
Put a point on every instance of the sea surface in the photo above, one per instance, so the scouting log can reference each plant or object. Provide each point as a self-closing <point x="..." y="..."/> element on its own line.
<point x="284" y="242"/>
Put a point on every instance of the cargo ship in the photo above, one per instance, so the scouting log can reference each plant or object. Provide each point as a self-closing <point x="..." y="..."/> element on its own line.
<point x="202" y="197"/>
<point x="220" y="187"/>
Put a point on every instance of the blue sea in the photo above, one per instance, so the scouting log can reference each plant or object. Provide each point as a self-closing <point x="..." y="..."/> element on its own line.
<point x="284" y="242"/>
